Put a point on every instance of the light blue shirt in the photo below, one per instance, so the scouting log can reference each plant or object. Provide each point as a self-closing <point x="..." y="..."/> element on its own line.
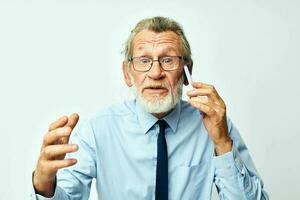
<point x="118" y="148"/>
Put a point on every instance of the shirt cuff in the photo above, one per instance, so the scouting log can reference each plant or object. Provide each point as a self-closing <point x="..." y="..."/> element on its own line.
<point x="55" y="196"/>
<point x="228" y="164"/>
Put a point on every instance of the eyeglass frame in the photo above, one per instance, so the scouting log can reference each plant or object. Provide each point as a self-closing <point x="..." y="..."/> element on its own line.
<point x="182" y="58"/>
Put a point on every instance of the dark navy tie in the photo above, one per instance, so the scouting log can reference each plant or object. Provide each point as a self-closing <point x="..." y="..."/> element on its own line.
<point x="161" y="189"/>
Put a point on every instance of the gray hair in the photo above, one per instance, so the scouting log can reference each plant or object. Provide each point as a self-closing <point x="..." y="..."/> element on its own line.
<point x="159" y="24"/>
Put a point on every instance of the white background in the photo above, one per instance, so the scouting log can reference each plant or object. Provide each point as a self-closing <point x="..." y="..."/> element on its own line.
<point x="59" y="57"/>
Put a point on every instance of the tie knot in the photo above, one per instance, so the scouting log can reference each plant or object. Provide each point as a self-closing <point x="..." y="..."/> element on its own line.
<point x="162" y="125"/>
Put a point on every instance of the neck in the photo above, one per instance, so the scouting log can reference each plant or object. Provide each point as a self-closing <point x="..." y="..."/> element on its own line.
<point x="159" y="115"/>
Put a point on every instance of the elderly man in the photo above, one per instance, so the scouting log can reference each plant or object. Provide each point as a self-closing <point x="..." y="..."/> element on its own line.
<point x="155" y="146"/>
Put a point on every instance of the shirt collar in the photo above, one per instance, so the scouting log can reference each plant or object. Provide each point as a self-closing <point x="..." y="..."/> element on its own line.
<point x="173" y="117"/>
<point x="147" y="120"/>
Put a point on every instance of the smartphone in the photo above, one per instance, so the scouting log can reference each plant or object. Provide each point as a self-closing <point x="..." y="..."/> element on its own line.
<point x="188" y="77"/>
<point x="190" y="80"/>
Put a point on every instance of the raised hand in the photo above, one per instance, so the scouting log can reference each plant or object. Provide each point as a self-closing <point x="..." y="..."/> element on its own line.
<point x="52" y="156"/>
<point x="206" y="99"/>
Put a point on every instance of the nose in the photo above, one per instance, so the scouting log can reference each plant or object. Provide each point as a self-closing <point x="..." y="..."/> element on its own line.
<point x="156" y="72"/>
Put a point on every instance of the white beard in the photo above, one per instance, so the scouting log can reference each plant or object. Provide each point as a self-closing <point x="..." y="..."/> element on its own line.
<point x="157" y="104"/>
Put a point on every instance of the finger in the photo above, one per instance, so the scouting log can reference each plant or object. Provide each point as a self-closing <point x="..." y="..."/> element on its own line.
<point x="72" y="121"/>
<point x="206" y="109"/>
<point x="201" y="85"/>
<point x="205" y="94"/>
<point x="206" y="101"/>
<point x="207" y="89"/>
<point x="53" y="151"/>
<point x="200" y="92"/>
<point x="204" y="85"/>
<point x="55" y="165"/>
<point x="53" y="137"/>
<point x="58" y="123"/>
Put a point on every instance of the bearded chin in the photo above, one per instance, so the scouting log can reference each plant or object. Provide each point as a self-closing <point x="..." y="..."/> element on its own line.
<point x="156" y="103"/>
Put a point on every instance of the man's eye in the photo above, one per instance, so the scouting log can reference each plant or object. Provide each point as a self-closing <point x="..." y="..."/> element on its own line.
<point x="144" y="60"/>
<point x="167" y="60"/>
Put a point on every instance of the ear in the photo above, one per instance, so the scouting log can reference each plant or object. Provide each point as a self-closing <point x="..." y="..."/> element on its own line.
<point x="190" y="66"/>
<point x="126" y="72"/>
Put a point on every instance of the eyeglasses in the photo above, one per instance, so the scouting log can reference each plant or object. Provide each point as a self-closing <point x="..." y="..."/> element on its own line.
<point x="144" y="64"/>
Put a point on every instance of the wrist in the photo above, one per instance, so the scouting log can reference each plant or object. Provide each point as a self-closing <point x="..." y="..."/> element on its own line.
<point x="42" y="186"/>
<point x="223" y="147"/>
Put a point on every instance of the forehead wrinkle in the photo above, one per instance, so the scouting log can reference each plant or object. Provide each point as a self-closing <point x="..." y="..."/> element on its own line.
<point x="162" y="50"/>
<point x="171" y="46"/>
<point x="163" y="47"/>
<point x="156" y="39"/>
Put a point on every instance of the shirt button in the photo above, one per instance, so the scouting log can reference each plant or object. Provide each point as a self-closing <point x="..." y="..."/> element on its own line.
<point x="243" y="172"/>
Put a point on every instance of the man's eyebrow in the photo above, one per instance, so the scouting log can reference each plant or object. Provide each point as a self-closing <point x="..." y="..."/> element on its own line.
<point x="170" y="49"/>
<point x="140" y="47"/>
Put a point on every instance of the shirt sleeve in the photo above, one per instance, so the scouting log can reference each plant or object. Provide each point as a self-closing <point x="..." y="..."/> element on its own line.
<point x="74" y="182"/>
<point x="235" y="173"/>
<point x="59" y="194"/>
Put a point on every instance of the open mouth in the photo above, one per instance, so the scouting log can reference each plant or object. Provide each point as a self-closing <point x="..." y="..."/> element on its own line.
<point x="155" y="89"/>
